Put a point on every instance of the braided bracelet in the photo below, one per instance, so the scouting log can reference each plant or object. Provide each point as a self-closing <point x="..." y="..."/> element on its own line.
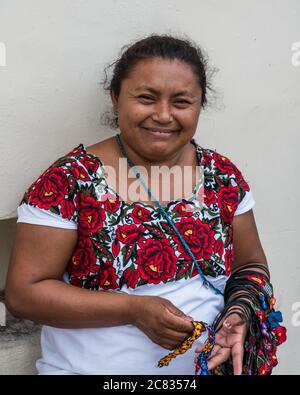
<point x="201" y="365"/>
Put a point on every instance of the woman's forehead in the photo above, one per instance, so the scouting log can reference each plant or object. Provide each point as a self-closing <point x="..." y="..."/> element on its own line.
<point x="156" y="74"/>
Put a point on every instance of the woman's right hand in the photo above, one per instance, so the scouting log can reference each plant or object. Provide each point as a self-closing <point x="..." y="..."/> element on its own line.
<point x="161" y="321"/>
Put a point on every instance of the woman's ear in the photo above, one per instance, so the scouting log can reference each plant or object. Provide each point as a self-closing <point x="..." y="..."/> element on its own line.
<point x="114" y="100"/>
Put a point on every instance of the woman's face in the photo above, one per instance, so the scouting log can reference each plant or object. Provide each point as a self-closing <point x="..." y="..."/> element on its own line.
<point x="158" y="107"/>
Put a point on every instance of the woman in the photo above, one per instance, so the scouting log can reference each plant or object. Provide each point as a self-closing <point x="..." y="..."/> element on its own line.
<point x="78" y="233"/>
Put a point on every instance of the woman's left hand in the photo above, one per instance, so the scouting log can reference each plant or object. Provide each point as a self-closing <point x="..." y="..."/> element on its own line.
<point x="230" y="339"/>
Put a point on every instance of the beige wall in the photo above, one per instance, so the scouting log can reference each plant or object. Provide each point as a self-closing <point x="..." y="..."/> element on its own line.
<point x="51" y="101"/>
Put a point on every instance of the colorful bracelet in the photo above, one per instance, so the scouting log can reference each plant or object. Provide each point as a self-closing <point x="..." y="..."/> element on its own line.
<point x="251" y="291"/>
<point x="201" y="365"/>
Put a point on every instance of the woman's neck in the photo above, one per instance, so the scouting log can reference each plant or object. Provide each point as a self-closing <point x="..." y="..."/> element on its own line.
<point x="184" y="157"/>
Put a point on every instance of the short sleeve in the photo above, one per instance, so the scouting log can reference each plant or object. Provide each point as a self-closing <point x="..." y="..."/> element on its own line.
<point x="37" y="216"/>
<point x="246" y="204"/>
<point x="245" y="197"/>
<point x="53" y="199"/>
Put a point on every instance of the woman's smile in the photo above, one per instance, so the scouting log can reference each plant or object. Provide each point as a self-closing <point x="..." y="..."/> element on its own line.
<point x="160" y="133"/>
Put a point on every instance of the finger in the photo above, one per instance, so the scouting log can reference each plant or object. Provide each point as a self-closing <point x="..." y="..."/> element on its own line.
<point x="199" y="348"/>
<point x="223" y="342"/>
<point x="175" y="335"/>
<point x="219" y="358"/>
<point x="169" y="344"/>
<point x="181" y="324"/>
<point x="215" y="351"/>
<point x="237" y="352"/>
<point x="232" y="320"/>
<point x="171" y="309"/>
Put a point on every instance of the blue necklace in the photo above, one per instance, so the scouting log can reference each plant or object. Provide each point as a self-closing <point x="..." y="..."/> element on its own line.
<point x="147" y="188"/>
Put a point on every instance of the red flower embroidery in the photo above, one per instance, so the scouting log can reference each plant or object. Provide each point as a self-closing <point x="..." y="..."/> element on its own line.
<point x="184" y="209"/>
<point x="79" y="172"/>
<point x="115" y="248"/>
<point x="219" y="247"/>
<point x="264" y="369"/>
<point x="261" y="316"/>
<point x="156" y="261"/>
<point x="223" y="163"/>
<point x="131" y="277"/>
<point x="107" y="276"/>
<point x="75" y="151"/>
<point x="207" y="157"/>
<point x="129" y="234"/>
<point x="91" y="164"/>
<point x="83" y="259"/>
<point x="50" y="189"/>
<point x="209" y="197"/>
<point x="240" y="180"/>
<point x="228" y="197"/>
<point x="111" y="202"/>
<point x="280" y="334"/>
<point x="91" y="214"/>
<point x="67" y="209"/>
<point x="273" y="359"/>
<point x="199" y="237"/>
<point x="140" y="214"/>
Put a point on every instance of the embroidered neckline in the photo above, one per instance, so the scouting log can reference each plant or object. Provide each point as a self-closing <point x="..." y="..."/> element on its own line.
<point x="199" y="155"/>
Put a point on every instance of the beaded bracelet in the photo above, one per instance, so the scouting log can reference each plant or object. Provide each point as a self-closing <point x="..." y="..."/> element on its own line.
<point x="201" y="365"/>
<point x="252" y="291"/>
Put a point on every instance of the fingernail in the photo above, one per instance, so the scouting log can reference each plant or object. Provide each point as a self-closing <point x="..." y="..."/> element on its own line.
<point x="227" y="324"/>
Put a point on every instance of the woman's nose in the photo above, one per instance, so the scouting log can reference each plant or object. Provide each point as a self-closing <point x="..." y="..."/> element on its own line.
<point x="162" y="113"/>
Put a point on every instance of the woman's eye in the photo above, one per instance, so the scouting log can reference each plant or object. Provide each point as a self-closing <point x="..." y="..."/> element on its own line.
<point x="146" y="98"/>
<point x="182" y="101"/>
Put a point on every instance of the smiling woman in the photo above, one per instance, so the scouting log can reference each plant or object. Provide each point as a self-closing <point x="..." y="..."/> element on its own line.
<point x="158" y="108"/>
<point x="162" y="270"/>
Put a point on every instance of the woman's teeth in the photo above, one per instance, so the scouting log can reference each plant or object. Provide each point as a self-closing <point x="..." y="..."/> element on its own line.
<point x="159" y="131"/>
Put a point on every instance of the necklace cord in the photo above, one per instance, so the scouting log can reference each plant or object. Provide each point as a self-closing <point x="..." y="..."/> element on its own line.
<point x="171" y="223"/>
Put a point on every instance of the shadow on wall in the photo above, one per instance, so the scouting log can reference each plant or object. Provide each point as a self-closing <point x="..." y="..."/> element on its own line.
<point x="7" y="235"/>
<point x="19" y="339"/>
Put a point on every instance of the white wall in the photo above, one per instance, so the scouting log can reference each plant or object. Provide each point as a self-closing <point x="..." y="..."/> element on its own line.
<point x="50" y="100"/>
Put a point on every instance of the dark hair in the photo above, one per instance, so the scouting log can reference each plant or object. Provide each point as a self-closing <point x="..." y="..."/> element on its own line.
<point x="158" y="46"/>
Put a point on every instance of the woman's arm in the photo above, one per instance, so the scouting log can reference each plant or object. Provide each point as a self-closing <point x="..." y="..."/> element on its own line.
<point x="35" y="291"/>
<point x="246" y="242"/>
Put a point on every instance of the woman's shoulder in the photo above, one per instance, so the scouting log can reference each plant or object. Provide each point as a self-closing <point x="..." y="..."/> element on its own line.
<point x="106" y="151"/>
<point x="63" y="177"/>
<point x="217" y="161"/>
<point x="84" y="162"/>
